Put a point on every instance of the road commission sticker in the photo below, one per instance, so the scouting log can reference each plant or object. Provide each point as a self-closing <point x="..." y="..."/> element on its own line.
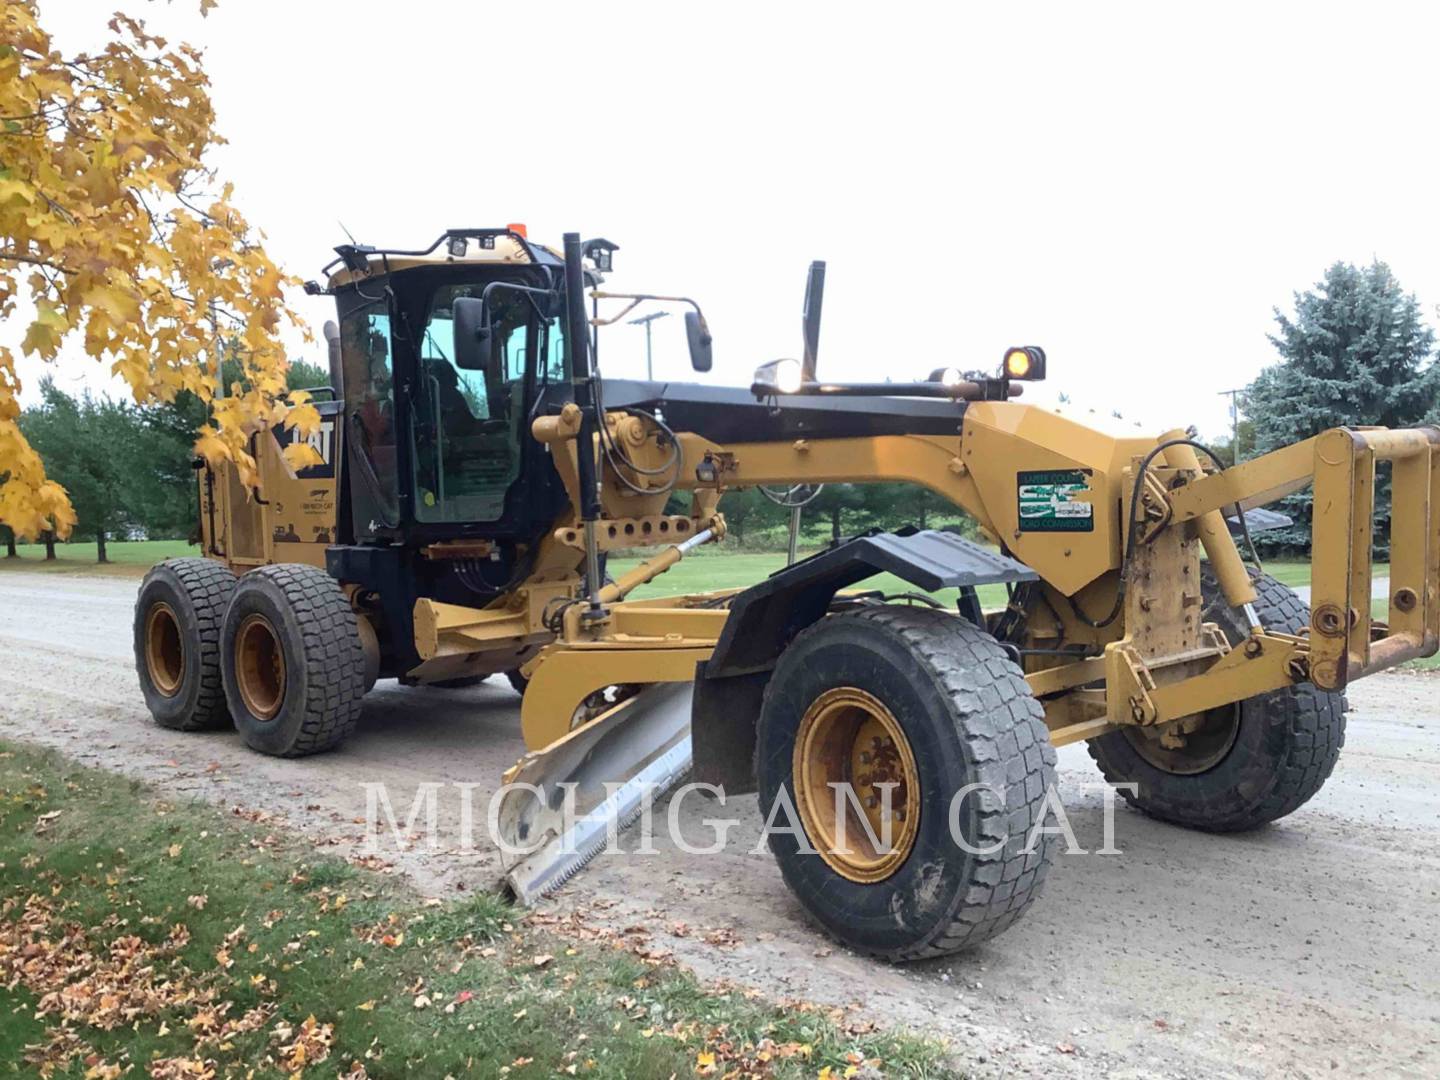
<point x="1055" y="500"/>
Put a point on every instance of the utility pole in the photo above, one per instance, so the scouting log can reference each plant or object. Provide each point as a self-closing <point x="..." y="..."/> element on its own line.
<point x="1234" y="421"/>
<point x="645" y="321"/>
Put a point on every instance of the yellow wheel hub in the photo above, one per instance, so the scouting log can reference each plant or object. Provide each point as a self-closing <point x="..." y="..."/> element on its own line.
<point x="164" y="649"/>
<point x="260" y="667"/>
<point x="849" y="738"/>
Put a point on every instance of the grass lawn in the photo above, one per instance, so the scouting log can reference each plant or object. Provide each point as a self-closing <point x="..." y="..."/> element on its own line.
<point x="720" y="569"/>
<point x="129" y="558"/>
<point x="715" y="568"/>
<point x="177" y="941"/>
<point x="701" y="572"/>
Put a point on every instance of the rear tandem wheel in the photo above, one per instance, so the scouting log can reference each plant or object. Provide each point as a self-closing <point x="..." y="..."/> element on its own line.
<point x="293" y="663"/>
<point x="178" y="615"/>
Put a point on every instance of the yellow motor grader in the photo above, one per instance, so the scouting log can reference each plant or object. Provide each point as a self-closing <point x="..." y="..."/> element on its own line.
<point x="476" y="470"/>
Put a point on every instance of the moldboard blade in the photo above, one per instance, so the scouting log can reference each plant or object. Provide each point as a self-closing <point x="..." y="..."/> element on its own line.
<point x="640" y="747"/>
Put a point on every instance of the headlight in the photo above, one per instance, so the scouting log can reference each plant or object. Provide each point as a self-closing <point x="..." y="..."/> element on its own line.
<point x="778" y="377"/>
<point x="947" y="376"/>
<point x="1025" y="362"/>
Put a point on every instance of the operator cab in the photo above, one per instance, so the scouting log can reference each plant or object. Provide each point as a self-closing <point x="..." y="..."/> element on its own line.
<point x="437" y="449"/>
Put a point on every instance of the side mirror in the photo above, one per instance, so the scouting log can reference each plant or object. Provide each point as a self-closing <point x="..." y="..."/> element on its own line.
<point x="474" y="339"/>
<point x="697" y="334"/>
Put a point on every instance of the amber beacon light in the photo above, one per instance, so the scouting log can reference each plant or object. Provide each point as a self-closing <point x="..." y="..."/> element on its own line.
<point x="1025" y="362"/>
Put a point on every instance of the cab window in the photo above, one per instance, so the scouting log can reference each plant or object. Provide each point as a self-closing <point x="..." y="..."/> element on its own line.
<point x="365" y="348"/>
<point x="468" y="423"/>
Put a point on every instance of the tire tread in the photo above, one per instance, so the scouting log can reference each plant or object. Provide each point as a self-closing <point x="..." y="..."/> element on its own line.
<point x="1315" y="718"/>
<point x="209" y="585"/>
<point x="334" y="658"/>
<point x="1002" y="727"/>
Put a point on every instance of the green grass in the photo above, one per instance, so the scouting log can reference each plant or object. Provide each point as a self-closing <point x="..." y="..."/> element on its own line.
<point x="130" y="558"/>
<point x="705" y="570"/>
<point x="720" y="569"/>
<point x="1295" y="572"/>
<point x="170" y="931"/>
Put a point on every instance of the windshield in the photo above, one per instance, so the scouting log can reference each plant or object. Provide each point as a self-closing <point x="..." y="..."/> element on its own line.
<point x="469" y="424"/>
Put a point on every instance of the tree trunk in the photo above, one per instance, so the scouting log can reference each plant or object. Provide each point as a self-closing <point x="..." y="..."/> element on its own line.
<point x="49" y="547"/>
<point x="10" y="550"/>
<point x="835" y="524"/>
<point x="922" y="515"/>
<point x="100" y="546"/>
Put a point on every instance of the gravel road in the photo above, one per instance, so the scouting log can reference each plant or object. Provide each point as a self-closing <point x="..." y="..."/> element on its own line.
<point x="1310" y="948"/>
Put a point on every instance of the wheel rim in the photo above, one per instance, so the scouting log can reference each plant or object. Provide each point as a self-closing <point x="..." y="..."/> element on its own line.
<point x="1204" y="740"/>
<point x="849" y="737"/>
<point x="164" y="649"/>
<point x="260" y="667"/>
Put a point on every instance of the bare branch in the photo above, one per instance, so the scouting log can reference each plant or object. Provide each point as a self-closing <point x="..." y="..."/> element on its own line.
<point x="15" y="256"/>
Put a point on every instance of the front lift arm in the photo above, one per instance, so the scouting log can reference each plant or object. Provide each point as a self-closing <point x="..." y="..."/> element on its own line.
<point x="1345" y="643"/>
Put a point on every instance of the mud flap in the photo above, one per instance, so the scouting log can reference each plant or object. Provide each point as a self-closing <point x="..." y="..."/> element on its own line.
<point x="563" y="802"/>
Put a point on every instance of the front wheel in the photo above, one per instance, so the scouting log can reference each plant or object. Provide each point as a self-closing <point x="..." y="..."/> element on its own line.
<point x="293" y="663"/>
<point x="923" y="723"/>
<point x="1239" y="766"/>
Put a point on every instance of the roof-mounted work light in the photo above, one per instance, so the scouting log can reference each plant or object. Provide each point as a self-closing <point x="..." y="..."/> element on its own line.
<point x="778" y="377"/>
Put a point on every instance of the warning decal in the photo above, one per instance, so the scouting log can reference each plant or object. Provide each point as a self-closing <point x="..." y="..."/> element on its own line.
<point x="1055" y="500"/>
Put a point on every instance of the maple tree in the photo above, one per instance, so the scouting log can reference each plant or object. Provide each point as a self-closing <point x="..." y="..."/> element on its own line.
<point x="116" y="233"/>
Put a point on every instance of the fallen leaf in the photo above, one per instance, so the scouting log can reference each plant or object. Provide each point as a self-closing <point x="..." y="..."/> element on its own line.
<point x="542" y="960"/>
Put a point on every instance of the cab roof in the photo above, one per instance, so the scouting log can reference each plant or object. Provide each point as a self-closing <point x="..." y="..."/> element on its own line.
<point x="475" y="247"/>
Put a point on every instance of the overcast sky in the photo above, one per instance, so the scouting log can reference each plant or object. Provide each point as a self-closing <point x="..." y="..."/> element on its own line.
<point x="1132" y="187"/>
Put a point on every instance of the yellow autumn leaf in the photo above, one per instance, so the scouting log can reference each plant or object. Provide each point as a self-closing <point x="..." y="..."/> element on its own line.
<point x="96" y="149"/>
<point x="301" y="455"/>
<point x="303" y="417"/>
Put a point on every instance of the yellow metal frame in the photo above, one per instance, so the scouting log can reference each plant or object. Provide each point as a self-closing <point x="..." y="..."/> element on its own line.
<point x="1158" y="663"/>
<point x="1344" y="642"/>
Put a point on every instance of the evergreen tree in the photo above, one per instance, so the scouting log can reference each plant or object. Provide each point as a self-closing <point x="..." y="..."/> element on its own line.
<point x="1356" y="351"/>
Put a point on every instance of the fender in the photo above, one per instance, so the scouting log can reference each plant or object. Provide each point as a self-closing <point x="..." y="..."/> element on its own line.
<point x="765" y="618"/>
